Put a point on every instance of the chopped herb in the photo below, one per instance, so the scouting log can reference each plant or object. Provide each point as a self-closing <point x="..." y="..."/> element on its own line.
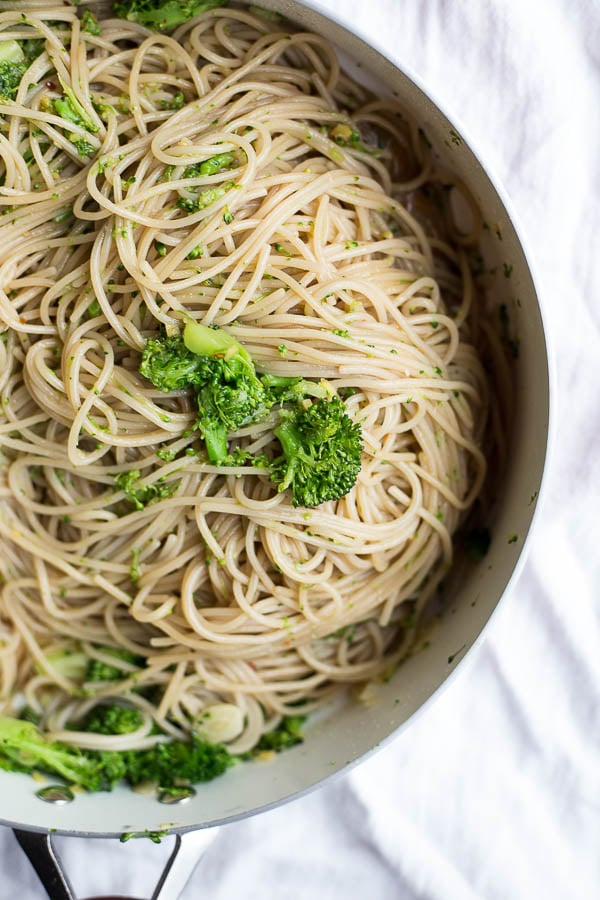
<point x="83" y="147"/>
<point x="142" y="495"/>
<point x="175" y="102"/>
<point x="204" y="198"/>
<point x="155" y="836"/>
<point x="94" y="309"/>
<point x="346" y="392"/>
<point x="89" y="23"/>
<point x="166" y="455"/>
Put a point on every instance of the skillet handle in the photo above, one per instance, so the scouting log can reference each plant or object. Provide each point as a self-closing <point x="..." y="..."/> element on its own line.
<point x="40" y="852"/>
<point x="180" y="865"/>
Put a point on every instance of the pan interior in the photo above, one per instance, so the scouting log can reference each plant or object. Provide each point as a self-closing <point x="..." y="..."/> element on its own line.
<point x="338" y="740"/>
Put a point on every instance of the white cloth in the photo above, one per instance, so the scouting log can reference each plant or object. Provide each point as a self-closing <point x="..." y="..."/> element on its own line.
<point x="494" y="792"/>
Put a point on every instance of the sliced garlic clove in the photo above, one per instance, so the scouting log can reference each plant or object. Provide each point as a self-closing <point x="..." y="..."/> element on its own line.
<point x="220" y="723"/>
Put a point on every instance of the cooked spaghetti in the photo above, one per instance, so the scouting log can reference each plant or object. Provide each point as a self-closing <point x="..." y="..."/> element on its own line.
<point x="323" y="240"/>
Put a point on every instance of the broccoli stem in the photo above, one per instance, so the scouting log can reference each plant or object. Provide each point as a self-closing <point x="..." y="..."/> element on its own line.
<point x="292" y="448"/>
<point x="215" y="437"/>
<point x="11" y="52"/>
<point x="70" y="109"/>
<point x="207" y="341"/>
<point x="163" y="15"/>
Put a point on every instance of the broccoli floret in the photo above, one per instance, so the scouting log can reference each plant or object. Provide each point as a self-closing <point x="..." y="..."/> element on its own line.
<point x="233" y="395"/>
<point x="12" y="67"/>
<point x="321" y="444"/>
<point x="142" y="495"/>
<point x="24" y="749"/>
<point x="100" y="671"/>
<point x="165" y="15"/>
<point x="321" y="452"/>
<point x="113" y="719"/>
<point x="170" y="366"/>
<point x="176" y="761"/>
<point x="283" y="389"/>
<point x="228" y="391"/>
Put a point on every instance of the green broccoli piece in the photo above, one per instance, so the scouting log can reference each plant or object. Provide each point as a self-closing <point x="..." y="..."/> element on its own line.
<point x="84" y="148"/>
<point x="68" y="107"/>
<point x="177" y="101"/>
<point x="142" y="495"/>
<point x="295" y="389"/>
<point x="204" y="198"/>
<point x="24" y="749"/>
<point x="100" y="671"/>
<point x="321" y="444"/>
<point x="229" y="393"/>
<point x="94" y="309"/>
<point x="163" y="15"/>
<point x="12" y="68"/>
<point x="113" y="719"/>
<point x="210" y="166"/>
<point x="321" y="452"/>
<point x="89" y="22"/>
<point x="170" y="366"/>
<point x="232" y="395"/>
<point x="176" y="761"/>
<point x="287" y="734"/>
<point x="233" y="398"/>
